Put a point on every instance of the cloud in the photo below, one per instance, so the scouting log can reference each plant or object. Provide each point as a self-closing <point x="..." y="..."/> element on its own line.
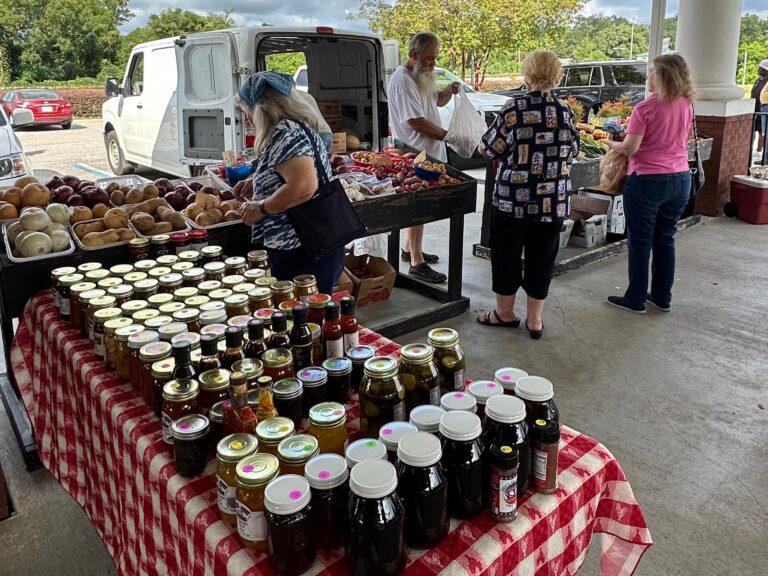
<point x="641" y="10"/>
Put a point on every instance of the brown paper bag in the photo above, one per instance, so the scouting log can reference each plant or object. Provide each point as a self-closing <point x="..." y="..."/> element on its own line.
<point x="613" y="170"/>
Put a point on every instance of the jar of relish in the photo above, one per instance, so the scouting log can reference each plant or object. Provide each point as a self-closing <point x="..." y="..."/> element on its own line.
<point x="93" y="305"/>
<point x="278" y="363"/>
<point x="359" y="355"/>
<point x="266" y="281"/>
<point x="287" y="395"/>
<point x="449" y="359"/>
<point x="272" y="431"/>
<point x="138" y="249"/>
<point x="328" y="423"/>
<point x="179" y="242"/>
<point x="305" y="285"/>
<point x="243" y="288"/>
<point x="259" y="298"/>
<point x="260" y="260"/>
<point x="235" y="265"/>
<point x="419" y="376"/>
<point x="168" y="331"/>
<point x="232" y="281"/>
<point x="211" y="253"/>
<point x="160" y="245"/>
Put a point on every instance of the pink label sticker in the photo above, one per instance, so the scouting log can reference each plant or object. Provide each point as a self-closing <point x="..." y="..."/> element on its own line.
<point x="324" y="475"/>
<point x="248" y="468"/>
<point x="386" y="431"/>
<point x="506" y="377"/>
<point x="491" y="385"/>
<point x="184" y="426"/>
<point x="338" y="412"/>
<point x="459" y="395"/>
<point x="306" y="374"/>
<point x="295" y="495"/>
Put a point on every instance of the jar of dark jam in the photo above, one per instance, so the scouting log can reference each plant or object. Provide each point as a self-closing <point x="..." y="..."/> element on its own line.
<point x="214" y="387"/>
<point x="198" y="239"/>
<point x="481" y="390"/>
<point x="358" y="355"/>
<point x="292" y="542"/>
<point x="259" y="259"/>
<point x="463" y="463"/>
<point x="287" y="394"/>
<point x="162" y="373"/>
<point x="507" y="378"/>
<point x="427" y="418"/>
<point x="84" y="304"/>
<point x="316" y="304"/>
<point x="62" y="295"/>
<point x="458" y="401"/>
<point x="314" y="381"/>
<point x="376" y="521"/>
<point x="212" y="253"/>
<point x="304" y="286"/>
<point x="423" y="487"/>
<point x="216" y="417"/>
<point x="339" y="387"/>
<point x="278" y="363"/>
<point x="74" y="301"/>
<point x="382" y="396"/>
<point x="449" y="359"/>
<point x="160" y="245"/>
<point x="149" y="354"/>
<point x="179" y="242"/>
<point x="537" y="394"/>
<point x="272" y="431"/>
<point x="390" y="436"/>
<point x="364" y="449"/>
<point x="295" y="451"/>
<point x="190" y="444"/>
<point x="56" y="274"/>
<point x="138" y="249"/>
<point x="179" y="399"/>
<point x="235" y="265"/>
<point x="328" y="478"/>
<point x="328" y="423"/>
<point x="504" y="424"/>
<point x="419" y="376"/>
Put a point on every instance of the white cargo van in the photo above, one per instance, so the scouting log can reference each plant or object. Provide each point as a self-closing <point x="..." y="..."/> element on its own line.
<point x="174" y="111"/>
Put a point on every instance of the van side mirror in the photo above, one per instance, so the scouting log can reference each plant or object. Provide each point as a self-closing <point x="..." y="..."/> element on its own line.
<point x="22" y="117"/>
<point x="112" y="88"/>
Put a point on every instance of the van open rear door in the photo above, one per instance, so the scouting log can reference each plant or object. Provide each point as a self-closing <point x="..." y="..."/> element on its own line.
<point x="207" y="84"/>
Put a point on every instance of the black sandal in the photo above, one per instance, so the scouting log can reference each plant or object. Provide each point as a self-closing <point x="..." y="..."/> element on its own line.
<point x="534" y="334"/>
<point x="485" y="320"/>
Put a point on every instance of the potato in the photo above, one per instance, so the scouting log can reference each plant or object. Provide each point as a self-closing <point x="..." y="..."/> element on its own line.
<point x="126" y="234"/>
<point x="134" y="196"/>
<point x="218" y="215"/>
<point x="162" y="211"/>
<point x="161" y="228"/>
<point x="80" y="214"/>
<point x="143" y="222"/>
<point x="193" y="210"/>
<point x="205" y="219"/>
<point x="207" y="201"/>
<point x="228" y="205"/>
<point x="99" y="210"/>
<point x="8" y="211"/>
<point x="115" y="218"/>
<point x="35" y="195"/>
<point x="12" y="195"/>
<point x="84" y="228"/>
<point x="148" y="206"/>
<point x="231" y="215"/>
<point x="112" y="187"/>
<point x="150" y="191"/>
<point x="101" y="238"/>
<point x="124" y="189"/>
<point x="117" y="198"/>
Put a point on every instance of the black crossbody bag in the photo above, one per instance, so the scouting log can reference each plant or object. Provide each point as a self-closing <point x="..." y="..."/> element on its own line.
<point x="696" y="166"/>
<point x="327" y="221"/>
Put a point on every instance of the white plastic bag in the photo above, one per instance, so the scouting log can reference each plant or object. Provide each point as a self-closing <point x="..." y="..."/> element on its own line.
<point x="466" y="128"/>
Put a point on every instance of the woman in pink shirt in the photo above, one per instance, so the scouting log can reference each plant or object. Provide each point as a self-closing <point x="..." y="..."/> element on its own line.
<point x="658" y="183"/>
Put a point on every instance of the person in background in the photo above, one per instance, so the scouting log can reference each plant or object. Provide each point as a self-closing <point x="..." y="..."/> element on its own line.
<point x="413" y="118"/>
<point x="534" y="140"/>
<point x="658" y="183"/>
<point x="284" y="175"/>
<point x="760" y="94"/>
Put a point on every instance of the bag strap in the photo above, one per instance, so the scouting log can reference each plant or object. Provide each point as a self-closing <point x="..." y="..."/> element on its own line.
<point x="695" y="132"/>
<point x="322" y="175"/>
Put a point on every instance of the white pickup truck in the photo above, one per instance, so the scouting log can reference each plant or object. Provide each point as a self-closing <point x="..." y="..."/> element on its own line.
<point x="174" y="111"/>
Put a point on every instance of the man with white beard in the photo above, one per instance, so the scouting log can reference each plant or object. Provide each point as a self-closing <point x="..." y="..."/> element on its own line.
<point x="413" y="117"/>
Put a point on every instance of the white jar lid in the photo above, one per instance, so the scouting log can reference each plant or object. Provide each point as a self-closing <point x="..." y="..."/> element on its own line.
<point x="326" y="471"/>
<point x="508" y="377"/>
<point x="458" y="401"/>
<point x="484" y="389"/>
<point x="365" y="449"/>
<point x="390" y="434"/>
<point x="373" y="479"/>
<point x="287" y="495"/>
<point x="419" y="449"/>
<point x="461" y="425"/>
<point x="505" y="409"/>
<point x="427" y="418"/>
<point x="534" y="388"/>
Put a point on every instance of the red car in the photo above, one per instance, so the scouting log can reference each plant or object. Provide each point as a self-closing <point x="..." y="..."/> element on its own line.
<point x="47" y="106"/>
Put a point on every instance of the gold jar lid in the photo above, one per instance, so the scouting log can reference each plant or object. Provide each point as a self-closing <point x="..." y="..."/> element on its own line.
<point x="189" y="256"/>
<point x="181" y="389"/>
<point x="192" y="337"/>
<point x="257" y="469"/>
<point x="63" y="271"/>
<point x="235" y="447"/>
<point x="80" y="287"/>
<point x="124" y="332"/>
<point x="154" y="351"/>
<point x="167" y="259"/>
<point x="251" y="367"/>
<point x="142" y="316"/>
<point x="144" y="265"/>
<point x="214" y="268"/>
<point x="443" y="337"/>
<point x="236" y="301"/>
<point x="71" y="279"/>
<point x="298" y="449"/>
<point x="138" y="243"/>
<point x="212" y="251"/>
<point x="158" y="300"/>
<point x="168" y="331"/>
<point x="171" y="280"/>
<point x="380" y="366"/>
<point x="88" y="295"/>
<point x="257" y="255"/>
<point x="266" y="281"/>
<point x="132" y="306"/>
<point x="163" y="369"/>
<point x="145" y="286"/>
<point x="282" y="287"/>
<point x="196" y="301"/>
<point x="139" y="339"/>
<point x="277" y="358"/>
<point x="214" y="380"/>
<point x="254" y="274"/>
<point x="161" y="239"/>
<point x="232" y="281"/>
<point x="121" y="291"/>
<point x="208" y="286"/>
<point x="113" y="325"/>
<point x="417" y="353"/>
<point x="193" y="274"/>
<point x="272" y="431"/>
<point x="318" y="300"/>
<point x="260" y="293"/>
<point x="181" y="267"/>
<point x="101" y="302"/>
<point x="96" y="275"/>
<point x="86" y="267"/>
<point x="104" y="314"/>
<point x="171" y="308"/>
<point x="327" y="415"/>
<point x="156" y="322"/>
<point x="159" y="271"/>
<point x="135" y="276"/>
<point x="121" y="269"/>
<point x="182" y="294"/>
<point x="187" y="315"/>
<point x="220" y="294"/>
<point x="109" y="282"/>
<point x="305" y="281"/>
<point x="243" y="288"/>
<point x="234" y="262"/>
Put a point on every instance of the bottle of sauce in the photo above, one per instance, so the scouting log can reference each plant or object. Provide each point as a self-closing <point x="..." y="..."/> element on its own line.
<point x="279" y="337"/>
<point x="182" y="355"/>
<point x="349" y="325"/>
<point x="256" y="345"/>
<point x="546" y="440"/>
<point x="503" y="483"/>
<point x="238" y="417"/>
<point x="266" y="407"/>
<point x="234" y="351"/>
<point x="333" y="336"/>
<point x="301" y="339"/>
<point x="210" y="353"/>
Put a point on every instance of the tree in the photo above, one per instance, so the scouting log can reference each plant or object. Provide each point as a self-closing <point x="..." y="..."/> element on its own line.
<point x="601" y="37"/>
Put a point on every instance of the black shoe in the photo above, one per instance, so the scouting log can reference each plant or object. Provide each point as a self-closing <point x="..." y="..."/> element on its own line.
<point x="428" y="258"/>
<point x="534" y="334"/>
<point x="658" y="304"/>
<point x="424" y="272"/>
<point x="624" y="304"/>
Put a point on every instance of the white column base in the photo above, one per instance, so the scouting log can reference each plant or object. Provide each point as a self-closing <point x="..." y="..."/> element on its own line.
<point x="723" y="108"/>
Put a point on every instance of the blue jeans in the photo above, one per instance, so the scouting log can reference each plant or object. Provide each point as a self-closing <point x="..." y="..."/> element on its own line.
<point x="653" y="204"/>
<point x="287" y="264"/>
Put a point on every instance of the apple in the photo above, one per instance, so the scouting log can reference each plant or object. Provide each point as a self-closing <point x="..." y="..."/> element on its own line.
<point x="54" y="183"/>
<point x="62" y="194"/>
<point x="72" y="181"/>
<point x="194" y="186"/>
<point x="163" y="184"/>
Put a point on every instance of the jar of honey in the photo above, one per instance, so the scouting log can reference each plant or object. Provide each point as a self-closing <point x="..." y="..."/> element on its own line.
<point x="93" y="305"/>
<point x="278" y="363"/>
<point x="122" y="357"/>
<point x="100" y="318"/>
<point x="252" y="368"/>
<point x="305" y="285"/>
<point x="258" y="298"/>
<point x="84" y="304"/>
<point x="149" y="354"/>
<point x="122" y="293"/>
<point x="144" y="265"/>
<point x="328" y="423"/>
<point x="157" y="322"/>
<point x="259" y="259"/>
<point x="214" y="387"/>
<point x="156" y="301"/>
<point x="110" y="339"/>
<point x="138" y="249"/>
<point x="229" y="451"/>
<point x="236" y="305"/>
<point x="282" y="291"/>
<point x="235" y="265"/>
<point x="193" y="276"/>
<point x="136" y="342"/>
<point x="190" y="317"/>
<point x="253" y="474"/>
<point x="179" y="399"/>
<point x="272" y="431"/>
<point x="162" y="373"/>
<point x="212" y="253"/>
<point x="294" y="453"/>
<point x="214" y="270"/>
<point x="75" y="291"/>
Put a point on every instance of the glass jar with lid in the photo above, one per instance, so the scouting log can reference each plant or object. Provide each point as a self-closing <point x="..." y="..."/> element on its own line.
<point x="537" y="394"/>
<point x="212" y="253"/>
<point x="122" y="358"/>
<point x="198" y="239"/>
<point x="235" y="265"/>
<point x="162" y="373"/>
<point x="135" y="276"/>
<point x="171" y="308"/>
<point x="236" y="305"/>
<point x="232" y="280"/>
<point x="192" y="337"/>
<point x="181" y="294"/>
<point x="259" y="259"/>
<point x="364" y="449"/>
<point x="110" y="340"/>
<point x="193" y="276"/>
<point x="390" y="435"/>
<point x="328" y="477"/>
<point x="278" y="363"/>
<point x="316" y="304"/>
<point x="144" y="265"/>
<point x="423" y="487"/>
<point x="259" y="297"/>
<point x="240" y="322"/>
<point x="144" y="289"/>
<point x="75" y="292"/>
<point x="86" y="267"/>
<point x="196" y="301"/>
<point x="419" y="376"/>
<point x="482" y="390"/>
<point x="427" y="418"/>
<point x="288" y="306"/>
<point x="272" y="431"/>
<point x="358" y="355"/>
<point x="221" y="294"/>
<point x="138" y="249"/>
<point x="190" y="256"/>
<point x="179" y="399"/>
<point x="136" y="342"/>
<point x="254" y="472"/>
<point x="121" y="270"/>
<point x="179" y="242"/>
<point x="122" y="293"/>
<point x="458" y="401"/>
<point x="130" y="307"/>
<point x="93" y="305"/>
<point x="266" y="281"/>
<point x="295" y="451"/>
<point x="158" y="271"/>
<point x="167" y="261"/>
<point x="229" y="451"/>
<point x="57" y="273"/>
<point x="100" y="318"/>
<point x="282" y="291"/>
<point x="328" y="423"/>
<point x="168" y="331"/>
<point x="449" y="359"/>
<point x="463" y="462"/>
<point x="243" y="288"/>
<point x="157" y="322"/>
<point x="109" y="282"/>
<point x="507" y="378"/>
<point x="157" y="300"/>
<point x="190" y="316"/>
<point x="252" y="368"/>
<point x="190" y="444"/>
<point x="339" y="387"/>
<point x="143" y="316"/>
<point x="170" y="282"/>
<point x="84" y="304"/>
<point x="214" y="387"/>
<point x="287" y="395"/>
<point x="218" y="330"/>
<point x="304" y="286"/>
<point x="504" y="424"/>
<point x="314" y="381"/>
<point x="182" y="266"/>
<point x="160" y="245"/>
<point x="149" y="354"/>
<point x="214" y="270"/>
<point x="216" y="416"/>
<point x="213" y="317"/>
<point x="376" y="521"/>
<point x="254" y="274"/>
<point x="382" y="396"/>
<point x="208" y="286"/>
<point x="96" y="275"/>
<point x="63" y="291"/>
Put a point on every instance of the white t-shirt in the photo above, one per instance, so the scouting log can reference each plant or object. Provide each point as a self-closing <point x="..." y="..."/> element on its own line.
<point x="406" y="103"/>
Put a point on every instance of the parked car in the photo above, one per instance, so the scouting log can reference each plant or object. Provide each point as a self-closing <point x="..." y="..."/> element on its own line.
<point x="46" y="105"/>
<point x="13" y="162"/>
<point x="593" y="83"/>
<point x="301" y="78"/>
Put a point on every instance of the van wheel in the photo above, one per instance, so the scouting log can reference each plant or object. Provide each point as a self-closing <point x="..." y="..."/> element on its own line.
<point x="115" y="157"/>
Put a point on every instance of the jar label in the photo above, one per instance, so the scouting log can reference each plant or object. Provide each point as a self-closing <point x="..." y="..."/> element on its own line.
<point x="302" y="357"/>
<point x="98" y="344"/>
<point x="540" y="465"/>
<point x="351" y="340"/>
<point x="399" y="412"/>
<point x="503" y="494"/>
<point x="251" y="526"/>
<point x="434" y="395"/>
<point x="226" y="496"/>
<point x="458" y="379"/>
<point x="167" y="430"/>
<point x="64" y="305"/>
<point x="334" y="348"/>
<point x="90" y="329"/>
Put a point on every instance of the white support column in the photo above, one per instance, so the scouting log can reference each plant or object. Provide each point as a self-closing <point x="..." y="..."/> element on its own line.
<point x="656" y="38"/>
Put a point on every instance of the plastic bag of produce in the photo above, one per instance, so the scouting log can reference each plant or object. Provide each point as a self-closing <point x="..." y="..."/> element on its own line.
<point x="466" y="128"/>
<point x="613" y="170"/>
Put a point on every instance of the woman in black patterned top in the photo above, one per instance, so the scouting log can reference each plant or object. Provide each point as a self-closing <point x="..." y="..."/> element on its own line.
<point x="534" y="141"/>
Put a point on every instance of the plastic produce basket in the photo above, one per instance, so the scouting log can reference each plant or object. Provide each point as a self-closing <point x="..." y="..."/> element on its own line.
<point x="13" y="258"/>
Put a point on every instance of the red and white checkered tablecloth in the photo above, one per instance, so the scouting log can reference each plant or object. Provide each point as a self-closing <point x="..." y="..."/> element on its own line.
<point x="104" y="446"/>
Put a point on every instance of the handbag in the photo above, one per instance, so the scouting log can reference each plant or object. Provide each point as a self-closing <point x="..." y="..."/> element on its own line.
<point x="695" y="166"/>
<point x="327" y="221"/>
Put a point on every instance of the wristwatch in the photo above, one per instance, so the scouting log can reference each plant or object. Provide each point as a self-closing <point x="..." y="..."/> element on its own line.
<point x="263" y="209"/>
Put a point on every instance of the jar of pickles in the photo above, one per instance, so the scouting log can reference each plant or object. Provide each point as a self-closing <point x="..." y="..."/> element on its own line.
<point x="272" y="431"/>
<point x="170" y="282"/>
<point x="328" y="478"/>
<point x="75" y="291"/>
<point x="449" y="359"/>
<point x="236" y="305"/>
<point x="235" y="265"/>
<point x="390" y="436"/>
<point x="339" y="387"/>
<point x="259" y="298"/>
<point x="278" y="363"/>
<point x="156" y="301"/>
<point x="179" y="399"/>
<point x="84" y="305"/>
<point x="358" y="355"/>
<point x="122" y="293"/>
<point x="295" y="451"/>
<point x="229" y="451"/>
<point x="93" y="305"/>
<point x="253" y="474"/>
<point x="316" y="304"/>
<point x="214" y="387"/>
<point x="214" y="270"/>
<point x="138" y="249"/>
<point x="314" y="381"/>
<point x="211" y="253"/>
<point x="122" y="357"/>
<point x="190" y="444"/>
<point x="110" y="339"/>
<point x="304" y="286"/>
<point x="287" y="394"/>
<point x="136" y="342"/>
<point x="190" y="317"/>
<point x="192" y="256"/>
<point x="328" y="423"/>
<point x="162" y="373"/>
<point x="208" y="286"/>
<point x="252" y="368"/>
<point x="482" y="390"/>
<point x="258" y="259"/>
<point x="382" y="396"/>
<point x="149" y="354"/>
<point x="419" y="376"/>
<point x="144" y="265"/>
<point x="100" y="318"/>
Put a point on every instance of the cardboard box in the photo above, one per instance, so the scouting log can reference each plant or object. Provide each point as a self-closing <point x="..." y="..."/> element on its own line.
<point x="590" y="221"/>
<point x="565" y="232"/>
<point x="339" y="143"/>
<point x="617" y="223"/>
<point x="373" y="278"/>
<point x="344" y="285"/>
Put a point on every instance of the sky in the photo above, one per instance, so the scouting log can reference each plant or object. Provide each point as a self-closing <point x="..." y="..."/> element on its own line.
<point x="335" y="12"/>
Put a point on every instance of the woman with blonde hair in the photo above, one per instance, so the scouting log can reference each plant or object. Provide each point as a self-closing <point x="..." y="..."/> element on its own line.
<point x="534" y="141"/>
<point x="285" y="175"/>
<point x="658" y="183"/>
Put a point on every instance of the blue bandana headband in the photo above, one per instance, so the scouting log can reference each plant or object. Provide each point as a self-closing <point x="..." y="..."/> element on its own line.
<point x="253" y="88"/>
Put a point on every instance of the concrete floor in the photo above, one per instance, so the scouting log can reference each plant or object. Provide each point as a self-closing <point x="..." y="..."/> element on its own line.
<point x="678" y="398"/>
